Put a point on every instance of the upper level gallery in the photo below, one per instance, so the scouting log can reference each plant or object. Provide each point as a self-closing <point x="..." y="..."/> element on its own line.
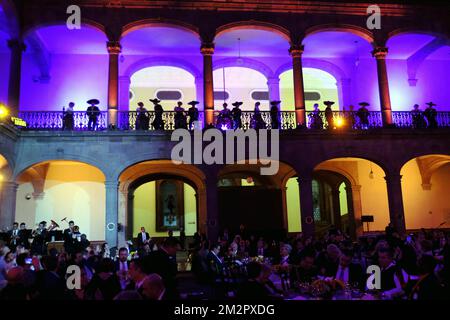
<point x="126" y="52"/>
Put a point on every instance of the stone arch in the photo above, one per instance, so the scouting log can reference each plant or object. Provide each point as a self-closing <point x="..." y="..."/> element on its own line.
<point x="162" y="62"/>
<point x="257" y="25"/>
<point x="246" y="63"/>
<point x="84" y="22"/>
<point x="136" y="25"/>
<point x="359" y="31"/>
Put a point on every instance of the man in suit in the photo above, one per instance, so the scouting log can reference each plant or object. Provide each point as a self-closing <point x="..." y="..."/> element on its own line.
<point x="24" y="235"/>
<point x="163" y="262"/>
<point x="143" y="238"/>
<point x="214" y="262"/>
<point x="13" y="236"/>
<point x="153" y="288"/>
<point x="349" y="272"/>
<point x="93" y="112"/>
<point x="67" y="236"/>
<point x="306" y="271"/>
<point x="49" y="285"/>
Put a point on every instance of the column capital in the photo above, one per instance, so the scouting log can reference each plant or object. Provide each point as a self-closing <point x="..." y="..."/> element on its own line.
<point x="207" y="48"/>
<point x="393" y="178"/>
<point x="125" y="79"/>
<point x="114" y="47"/>
<point x="304" y="180"/>
<point x="16" y="44"/>
<point x="273" y="80"/>
<point x="111" y="184"/>
<point x="380" y="52"/>
<point x="296" y="50"/>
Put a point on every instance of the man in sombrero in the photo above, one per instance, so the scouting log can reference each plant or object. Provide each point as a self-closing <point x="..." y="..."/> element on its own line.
<point x="158" y="123"/>
<point x="329" y="114"/>
<point x="193" y="113"/>
<point x="236" y="114"/>
<point x="275" y="114"/>
<point x="93" y="112"/>
<point x="430" y="114"/>
<point x="363" y="115"/>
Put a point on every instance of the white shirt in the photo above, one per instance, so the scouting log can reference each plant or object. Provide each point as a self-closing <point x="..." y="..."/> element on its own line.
<point x="144" y="236"/>
<point x="343" y="274"/>
<point x="123" y="266"/>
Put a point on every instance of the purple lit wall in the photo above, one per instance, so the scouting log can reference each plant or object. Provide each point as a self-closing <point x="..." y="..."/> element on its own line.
<point x="4" y="67"/>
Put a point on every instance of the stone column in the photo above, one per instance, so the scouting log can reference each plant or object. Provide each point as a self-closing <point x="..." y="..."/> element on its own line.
<point x="337" y="207"/>
<point x="344" y="86"/>
<point x="296" y="52"/>
<point x="199" y="91"/>
<point x="395" y="199"/>
<point x="114" y="50"/>
<point x="380" y="54"/>
<point x="273" y="84"/>
<point x="306" y="204"/>
<point x="212" y="208"/>
<point x="122" y="213"/>
<point x="15" y="64"/>
<point x="112" y="202"/>
<point x="207" y="51"/>
<point x="8" y="195"/>
<point x="357" y="208"/>
<point x="124" y="93"/>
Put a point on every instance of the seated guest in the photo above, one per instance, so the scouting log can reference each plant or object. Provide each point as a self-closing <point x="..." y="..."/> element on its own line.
<point x="214" y="262"/>
<point x="348" y="272"/>
<point x="252" y="289"/>
<point x="393" y="278"/>
<point x="163" y="262"/>
<point x="428" y="287"/>
<point x="328" y="262"/>
<point x="137" y="275"/>
<point x="153" y="288"/>
<point x="105" y="284"/>
<point x="306" y="271"/>
<point x="285" y="251"/>
<point x="260" y="249"/>
<point x="143" y="238"/>
<point x="49" y="285"/>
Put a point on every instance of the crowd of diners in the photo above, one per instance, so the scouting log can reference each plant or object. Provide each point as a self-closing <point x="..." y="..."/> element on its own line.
<point x="238" y="265"/>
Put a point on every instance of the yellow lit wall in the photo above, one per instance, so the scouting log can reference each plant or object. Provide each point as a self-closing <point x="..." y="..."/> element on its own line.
<point x="343" y="199"/>
<point x="293" y="206"/>
<point x="145" y="210"/>
<point x="71" y="190"/>
<point x="147" y="82"/>
<point x="315" y="80"/>
<point x="425" y="208"/>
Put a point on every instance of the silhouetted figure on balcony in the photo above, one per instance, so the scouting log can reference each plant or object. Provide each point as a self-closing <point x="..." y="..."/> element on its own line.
<point x="193" y="114"/>
<point x="418" y="122"/>
<point x="350" y="117"/>
<point x="316" y="121"/>
<point x="93" y="112"/>
<point x="275" y="114"/>
<point x="180" y="116"/>
<point x="224" y="119"/>
<point x="430" y="114"/>
<point x="142" y="117"/>
<point x="363" y="115"/>
<point x="236" y="113"/>
<point x="257" y="122"/>
<point x="68" y="122"/>
<point x="158" y="123"/>
<point x="329" y="114"/>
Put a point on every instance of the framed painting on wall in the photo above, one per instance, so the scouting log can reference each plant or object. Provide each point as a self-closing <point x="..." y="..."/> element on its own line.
<point x="169" y="205"/>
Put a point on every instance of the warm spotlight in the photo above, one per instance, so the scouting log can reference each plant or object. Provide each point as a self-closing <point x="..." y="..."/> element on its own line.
<point x="3" y="111"/>
<point x="339" y="122"/>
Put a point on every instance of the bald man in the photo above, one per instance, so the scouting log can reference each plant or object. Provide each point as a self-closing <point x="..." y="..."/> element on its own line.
<point x="153" y="287"/>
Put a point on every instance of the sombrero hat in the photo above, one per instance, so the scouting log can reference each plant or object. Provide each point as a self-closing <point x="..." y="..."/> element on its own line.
<point x="93" y="101"/>
<point x="431" y="104"/>
<point x="225" y="105"/>
<point x="140" y="104"/>
<point x="238" y="104"/>
<point x="328" y="103"/>
<point x="275" y="102"/>
<point x="364" y="104"/>
<point x="193" y="103"/>
<point x="155" y="101"/>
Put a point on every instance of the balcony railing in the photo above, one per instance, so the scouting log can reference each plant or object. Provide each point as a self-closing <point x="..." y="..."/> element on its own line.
<point x="54" y="120"/>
